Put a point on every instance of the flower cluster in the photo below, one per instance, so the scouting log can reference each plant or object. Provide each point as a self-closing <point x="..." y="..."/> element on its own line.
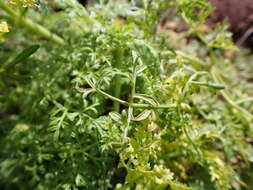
<point x="4" y="27"/>
<point x="23" y="3"/>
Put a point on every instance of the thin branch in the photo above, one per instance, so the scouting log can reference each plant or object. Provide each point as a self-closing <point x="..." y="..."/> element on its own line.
<point x="134" y="105"/>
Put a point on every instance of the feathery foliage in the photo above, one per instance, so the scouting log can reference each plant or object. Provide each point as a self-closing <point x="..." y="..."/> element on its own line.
<point x="97" y="98"/>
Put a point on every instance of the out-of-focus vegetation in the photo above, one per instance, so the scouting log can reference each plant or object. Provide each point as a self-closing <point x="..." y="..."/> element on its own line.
<point x="101" y="98"/>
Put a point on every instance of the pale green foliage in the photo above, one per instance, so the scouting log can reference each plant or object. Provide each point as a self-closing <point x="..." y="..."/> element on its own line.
<point x="118" y="107"/>
<point x="194" y="11"/>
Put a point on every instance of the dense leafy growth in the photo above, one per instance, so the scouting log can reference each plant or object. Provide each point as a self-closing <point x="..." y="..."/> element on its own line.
<point x="115" y="103"/>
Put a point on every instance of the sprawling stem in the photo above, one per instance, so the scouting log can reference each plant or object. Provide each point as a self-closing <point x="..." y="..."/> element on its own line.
<point x="15" y="15"/>
<point x="134" y="105"/>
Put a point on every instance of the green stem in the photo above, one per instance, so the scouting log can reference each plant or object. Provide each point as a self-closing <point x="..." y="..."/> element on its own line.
<point x="212" y="55"/>
<point x="41" y="31"/>
<point x="134" y="105"/>
<point x="28" y="23"/>
<point x="216" y="86"/>
<point x="119" y="55"/>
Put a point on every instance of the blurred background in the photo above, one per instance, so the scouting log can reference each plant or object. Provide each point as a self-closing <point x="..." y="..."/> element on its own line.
<point x="238" y="14"/>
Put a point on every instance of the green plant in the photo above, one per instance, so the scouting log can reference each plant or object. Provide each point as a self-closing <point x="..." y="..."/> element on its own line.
<point x="111" y="104"/>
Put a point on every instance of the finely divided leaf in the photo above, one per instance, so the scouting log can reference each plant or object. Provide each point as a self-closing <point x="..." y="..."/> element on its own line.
<point x="116" y="116"/>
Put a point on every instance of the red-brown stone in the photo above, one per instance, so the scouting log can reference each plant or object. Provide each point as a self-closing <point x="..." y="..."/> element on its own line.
<point x="238" y="13"/>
